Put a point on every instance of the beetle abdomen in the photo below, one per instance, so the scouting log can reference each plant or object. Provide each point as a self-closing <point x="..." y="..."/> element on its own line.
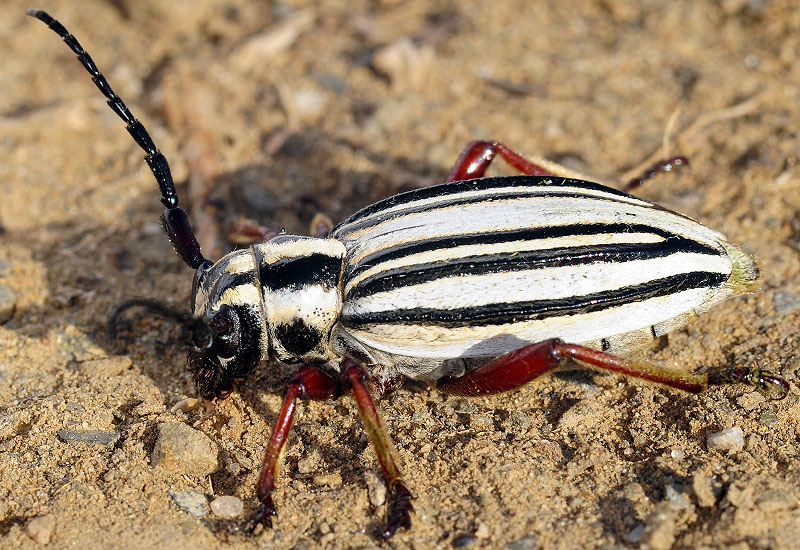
<point x="483" y="267"/>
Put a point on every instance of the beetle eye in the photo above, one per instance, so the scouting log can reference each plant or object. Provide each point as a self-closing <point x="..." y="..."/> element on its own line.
<point x="224" y="327"/>
<point x="220" y="325"/>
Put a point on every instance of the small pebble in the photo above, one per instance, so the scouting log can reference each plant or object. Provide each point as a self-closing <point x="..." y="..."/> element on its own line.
<point x="331" y="480"/>
<point x="227" y="506"/>
<point x="482" y="532"/>
<point x="41" y="529"/>
<point x="8" y="303"/>
<point x="677" y="454"/>
<point x="405" y="63"/>
<point x="775" y="500"/>
<point x="464" y="540"/>
<point x="481" y="422"/>
<point x="307" y="104"/>
<point x="527" y="543"/>
<point x="307" y="464"/>
<point x="785" y="301"/>
<point x="185" y="405"/>
<point x="728" y="440"/>
<point x="92" y="437"/>
<point x="14" y="424"/>
<point x="376" y="488"/>
<point x="635" y="534"/>
<point x="519" y="421"/>
<point x="768" y="418"/>
<point x="750" y="400"/>
<point x="676" y="499"/>
<point x="191" y="501"/>
<point x="184" y="450"/>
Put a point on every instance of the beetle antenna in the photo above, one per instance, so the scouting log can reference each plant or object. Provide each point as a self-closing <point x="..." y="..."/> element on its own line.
<point x="174" y="220"/>
<point x="201" y="333"/>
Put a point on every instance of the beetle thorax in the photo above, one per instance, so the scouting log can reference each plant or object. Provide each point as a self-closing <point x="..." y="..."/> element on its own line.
<point x="301" y="295"/>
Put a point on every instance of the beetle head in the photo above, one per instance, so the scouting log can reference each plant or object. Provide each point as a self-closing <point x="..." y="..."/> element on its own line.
<point x="232" y="341"/>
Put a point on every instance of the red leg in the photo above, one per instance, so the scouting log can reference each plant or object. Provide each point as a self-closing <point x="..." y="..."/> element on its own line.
<point x="520" y="367"/>
<point x="246" y="232"/>
<point x="478" y="155"/>
<point x="309" y="383"/>
<point x="399" y="508"/>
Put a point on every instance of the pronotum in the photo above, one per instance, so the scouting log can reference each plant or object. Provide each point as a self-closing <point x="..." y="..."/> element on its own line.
<point x="477" y="286"/>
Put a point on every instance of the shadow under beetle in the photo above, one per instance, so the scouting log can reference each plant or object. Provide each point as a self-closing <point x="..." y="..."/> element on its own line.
<point x="477" y="286"/>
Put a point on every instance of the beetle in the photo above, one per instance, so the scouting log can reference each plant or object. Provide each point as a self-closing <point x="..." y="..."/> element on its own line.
<point x="477" y="286"/>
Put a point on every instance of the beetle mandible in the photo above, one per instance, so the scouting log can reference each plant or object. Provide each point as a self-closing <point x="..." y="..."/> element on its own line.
<point x="477" y="286"/>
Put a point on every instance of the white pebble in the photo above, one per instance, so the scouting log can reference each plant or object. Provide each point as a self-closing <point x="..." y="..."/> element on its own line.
<point x="227" y="506"/>
<point x="185" y="405"/>
<point x="482" y="532"/>
<point x="376" y="488"/>
<point x="729" y="439"/>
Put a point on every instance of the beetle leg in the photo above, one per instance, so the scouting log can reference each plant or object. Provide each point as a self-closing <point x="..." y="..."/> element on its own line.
<point x="666" y="165"/>
<point x="320" y="226"/>
<point x="246" y="232"/>
<point x="478" y="155"/>
<point x="309" y="382"/>
<point x="523" y="365"/>
<point x="399" y="508"/>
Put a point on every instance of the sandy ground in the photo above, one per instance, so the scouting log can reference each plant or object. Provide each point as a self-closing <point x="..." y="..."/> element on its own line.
<point x="275" y="110"/>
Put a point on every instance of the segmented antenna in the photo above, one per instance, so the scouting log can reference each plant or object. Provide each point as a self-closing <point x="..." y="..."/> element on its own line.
<point x="175" y="221"/>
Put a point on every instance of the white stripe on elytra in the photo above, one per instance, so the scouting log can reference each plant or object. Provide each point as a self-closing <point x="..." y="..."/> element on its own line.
<point x="530" y="190"/>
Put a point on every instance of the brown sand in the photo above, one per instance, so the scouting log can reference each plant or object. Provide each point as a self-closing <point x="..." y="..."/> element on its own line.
<point x="263" y="107"/>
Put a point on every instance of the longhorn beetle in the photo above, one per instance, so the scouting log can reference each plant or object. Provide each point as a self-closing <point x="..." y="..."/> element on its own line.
<point x="478" y="286"/>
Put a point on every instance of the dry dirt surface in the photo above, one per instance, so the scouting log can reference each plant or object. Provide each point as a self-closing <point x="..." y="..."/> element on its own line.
<point x="272" y="111"/>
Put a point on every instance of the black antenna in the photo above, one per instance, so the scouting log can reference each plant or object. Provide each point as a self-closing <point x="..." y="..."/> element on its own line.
<point x="174" y="221"/>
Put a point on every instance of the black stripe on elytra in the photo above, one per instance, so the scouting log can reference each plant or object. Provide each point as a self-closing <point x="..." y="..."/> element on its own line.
<point x="522" y="194"/>
<point x="300" y="271"/>
<point x="490" y="238"/>
<point x="514" y="312"/>
<point x="406" y="276"/>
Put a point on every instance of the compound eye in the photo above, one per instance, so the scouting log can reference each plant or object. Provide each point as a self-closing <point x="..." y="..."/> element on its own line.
<point x="224" y="327"/>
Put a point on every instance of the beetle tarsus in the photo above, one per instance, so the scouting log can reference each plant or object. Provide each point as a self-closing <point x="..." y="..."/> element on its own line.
<point x="399" y="510"/>
<point x="666" y="165"/>
<point x="771" y="386"/>
<point x="262" y="516"/>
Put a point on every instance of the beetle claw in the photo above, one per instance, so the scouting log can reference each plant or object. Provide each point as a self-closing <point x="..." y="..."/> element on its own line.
<point x="262" y="516"/>
<point x="399" y="511"/>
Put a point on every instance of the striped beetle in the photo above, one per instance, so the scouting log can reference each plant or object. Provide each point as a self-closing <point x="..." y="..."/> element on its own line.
<point x="476" y="286"/>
